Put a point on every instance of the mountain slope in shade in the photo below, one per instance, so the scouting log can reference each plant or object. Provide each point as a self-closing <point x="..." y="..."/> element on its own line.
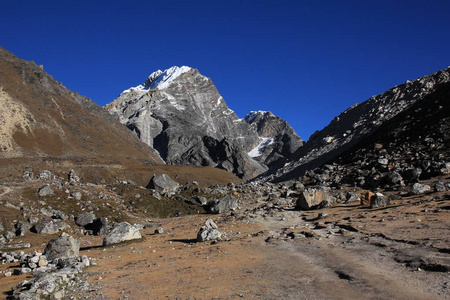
<point x="358" y="122"/>
<point x="42" y="118"/>
<point x="180" y="113"/>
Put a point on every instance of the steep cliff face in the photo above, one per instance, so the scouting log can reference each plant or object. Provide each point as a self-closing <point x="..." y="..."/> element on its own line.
<point x="40" y="117"/>
<point x="358" y="122"/>
<point x="180" y="113"/>
<point x="278" y="139"/>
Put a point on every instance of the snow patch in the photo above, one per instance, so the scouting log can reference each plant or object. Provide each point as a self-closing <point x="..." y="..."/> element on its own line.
<point x="253" y="114"/>
<point x="258" y="150"/>
<point x="162" y="79"/>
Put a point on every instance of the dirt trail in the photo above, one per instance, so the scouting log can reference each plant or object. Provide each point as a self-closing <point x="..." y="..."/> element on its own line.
<point x="4" y="190"/>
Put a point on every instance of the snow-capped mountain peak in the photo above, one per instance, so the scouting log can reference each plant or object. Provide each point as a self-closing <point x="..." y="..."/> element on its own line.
<point x="162" y="79"/>
<point x="250" y="117"/>
<point x="158" y="79"/>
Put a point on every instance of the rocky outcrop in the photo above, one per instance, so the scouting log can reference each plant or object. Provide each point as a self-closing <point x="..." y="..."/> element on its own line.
<point x="278" y="139"/>
<point x="360" y="122"/>
<point x="180" y="113"/>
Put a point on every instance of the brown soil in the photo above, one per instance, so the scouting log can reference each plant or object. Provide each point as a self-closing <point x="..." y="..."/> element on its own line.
<point x="397" y="252"/>
<point x="364" y="263"/>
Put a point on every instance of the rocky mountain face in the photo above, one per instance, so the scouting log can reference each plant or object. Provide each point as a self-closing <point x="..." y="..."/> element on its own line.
<point x="180" y="113"/>
<point x="278" y="138"/>
<point x="359" y="122"/>
<point x="405" y="151"/>
<point x="39" y="117"/>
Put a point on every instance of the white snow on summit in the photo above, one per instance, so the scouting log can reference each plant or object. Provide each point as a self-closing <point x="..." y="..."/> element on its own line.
<point x="158" y="79"/>
<point x="162" y="79"/>
<point x="253" y="114"/>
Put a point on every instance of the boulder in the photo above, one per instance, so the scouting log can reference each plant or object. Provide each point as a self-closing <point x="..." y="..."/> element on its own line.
<point x="419" y="188"/>
<point x="199" y="200"/>
<point x="63" y="246"/>
<point x="163" y="183"/>
<point x="379" y="200"/>
<point x="412" y="175"/>
<point x="49" y="226"/>
<point x="85" y="218"/>
<point x="208" y="232"/>
<point x="98" y="226"/>
<point x="439" y="186"/>
<point x="351" y="197"/>
<point x="45" y="175"/>
<point x="72" y="177"/>
<point x="45" y="191"/>
<point x="221" y="205"/>
<point x="22" y="228"/>
<point x="313" y="198"/>
<point x="77" y="195"/>
<point x="366" y="198"/>
<point x="120" y="233"/>
<point x="394" y="178"/>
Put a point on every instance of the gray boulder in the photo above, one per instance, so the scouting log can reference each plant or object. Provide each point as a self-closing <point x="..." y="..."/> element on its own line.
<point x="99" y="226"/>
<point x="419" y="188"/>
<point x="313" y="198"/>
<point x="72" y="177"/>
<point x="163" y="184"/>
<point x="394" y="178"/>
<point x="122" y="232"/>
<point x="208" y="232"/>
<point x="379" y="200"/>
<point x="22" y="228"/>
<point x="85" y="218"/>
<point x="221" y="205"/>
<point x="49" y="226"/>
<point x="45" y="175"/>
<point x="63" y="246"/>
<point x="45" y="191"/>
<point x="77" y="195"/>
<point x="412" y="175"/>
<point x="351" y="197"/>
<point x="440" y="186"/>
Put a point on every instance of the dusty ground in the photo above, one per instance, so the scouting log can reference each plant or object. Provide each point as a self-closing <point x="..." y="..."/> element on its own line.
<point x="398" y="252"/>
<point x="260" y="263"/>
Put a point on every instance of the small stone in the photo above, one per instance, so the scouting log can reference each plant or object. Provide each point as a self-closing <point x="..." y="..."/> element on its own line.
<point x="42" y="261"/>
<point x="159" y="230"/>
<point x="418" y="188"/>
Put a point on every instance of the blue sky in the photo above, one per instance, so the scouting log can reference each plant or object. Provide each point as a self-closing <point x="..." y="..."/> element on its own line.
<point x="306" y="61"/>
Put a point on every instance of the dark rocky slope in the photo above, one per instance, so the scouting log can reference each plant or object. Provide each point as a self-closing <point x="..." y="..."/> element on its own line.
<point x="361" y="122"/>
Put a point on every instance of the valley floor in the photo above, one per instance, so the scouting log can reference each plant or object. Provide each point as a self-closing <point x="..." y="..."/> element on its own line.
<point x="277" y="252"/>
<point x="390" y="253"/>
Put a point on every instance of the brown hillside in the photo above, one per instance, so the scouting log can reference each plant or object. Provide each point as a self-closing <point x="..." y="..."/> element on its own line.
<point x="40" y="117"/>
